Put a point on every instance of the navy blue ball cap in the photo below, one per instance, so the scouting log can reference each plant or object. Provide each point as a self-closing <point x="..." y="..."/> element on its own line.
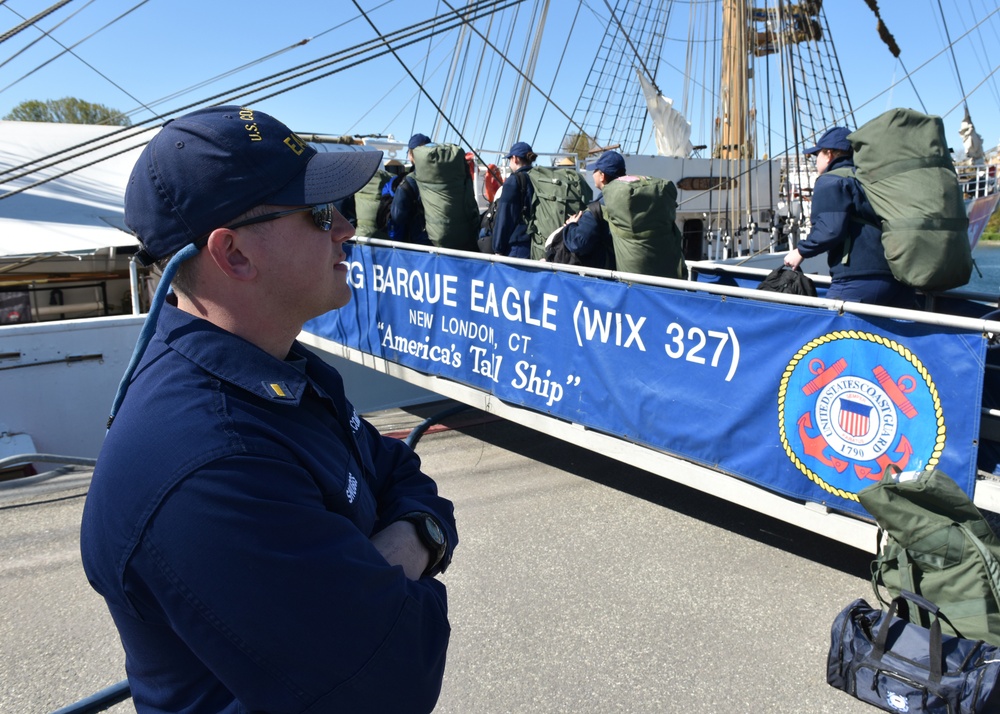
<point x="417" y="140"/>
<point x="610" y="163"/>
<point x="205" y="168"/>
<point x="521" y="149"/>
<point x="835" y="138"/>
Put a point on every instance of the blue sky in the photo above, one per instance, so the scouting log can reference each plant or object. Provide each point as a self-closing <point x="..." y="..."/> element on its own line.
<point x="163" y="47"/>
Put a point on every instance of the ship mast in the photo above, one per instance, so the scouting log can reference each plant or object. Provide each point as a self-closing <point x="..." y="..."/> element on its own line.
<point x="735" y="130"/>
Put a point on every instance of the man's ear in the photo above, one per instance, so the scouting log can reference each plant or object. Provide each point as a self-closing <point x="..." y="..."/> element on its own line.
<point x="225" y="248"/>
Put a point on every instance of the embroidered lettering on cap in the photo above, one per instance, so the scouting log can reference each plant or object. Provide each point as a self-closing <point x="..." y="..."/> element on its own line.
<point x="251" y="128"/>
<point x="296" y="144"/>
<point x="279" y="390"/>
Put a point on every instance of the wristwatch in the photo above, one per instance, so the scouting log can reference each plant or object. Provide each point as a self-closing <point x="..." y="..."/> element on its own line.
<point x="432" y="536"/>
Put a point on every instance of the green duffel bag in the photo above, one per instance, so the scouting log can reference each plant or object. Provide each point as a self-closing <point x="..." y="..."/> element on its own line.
<point x="446" y="192"/>
<point x="366" y="205"/>
<point x="904" y="166"/>
<point x="641" y="212"/>
<point x="939" y="546"/>
<point x="560" y="192"/>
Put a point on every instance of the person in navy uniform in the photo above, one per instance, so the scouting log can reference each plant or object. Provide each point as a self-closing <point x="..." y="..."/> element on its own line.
<point x="847" y="229"/>
<point x="406" y="216"/>
<point x="510" y="227"/>
<point x="259" y="545"/>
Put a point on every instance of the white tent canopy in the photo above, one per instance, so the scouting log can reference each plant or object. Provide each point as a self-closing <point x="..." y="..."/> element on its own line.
<point x="79" y="213"/>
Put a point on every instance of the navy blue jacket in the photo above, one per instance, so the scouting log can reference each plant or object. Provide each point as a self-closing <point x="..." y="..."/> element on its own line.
<point x="510" y="230"/>
<point x="406" y="216"/>
<point x="842" y="218"/>
<point x="227" y="527"/>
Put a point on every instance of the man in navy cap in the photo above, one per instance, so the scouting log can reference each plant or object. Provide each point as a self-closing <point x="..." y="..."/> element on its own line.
<point x="510" y="227"/>
<point x="406" y="216"/>
<point x="260" y="546"/>
<point x="847" y="229"/>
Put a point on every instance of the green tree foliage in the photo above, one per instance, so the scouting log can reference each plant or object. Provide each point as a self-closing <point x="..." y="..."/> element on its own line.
<point x="68" y="110"/>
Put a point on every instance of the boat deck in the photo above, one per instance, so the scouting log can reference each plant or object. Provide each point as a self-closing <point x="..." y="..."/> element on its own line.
<point x="580" y="585"/>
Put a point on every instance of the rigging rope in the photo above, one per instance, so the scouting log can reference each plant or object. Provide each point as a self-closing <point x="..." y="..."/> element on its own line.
<point x="77" y="44"/>
<point x="505" y="59"/>
<point x="28" y="23"/>
<point x="485" y="7"/>
<point x="555" y="76"/>
<point x="412" y="76"/>
<point x="954" y="62"/>
<point x="42" y="36"/>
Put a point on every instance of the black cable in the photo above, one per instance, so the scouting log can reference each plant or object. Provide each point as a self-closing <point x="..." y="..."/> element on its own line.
<point x="414" y="436"/>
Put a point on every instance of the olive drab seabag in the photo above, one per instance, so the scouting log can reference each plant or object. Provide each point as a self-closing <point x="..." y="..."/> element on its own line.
<point x="559" y="194"/>
<point x="641" y="212"/>
<point x="904" y="165"/>
<point x="939" y="546"/>
<point x="366" y="205"/>
<point x="446" y="192"/>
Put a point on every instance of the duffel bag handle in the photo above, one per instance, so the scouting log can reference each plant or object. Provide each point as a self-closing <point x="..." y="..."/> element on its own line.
<point x="935" y="653"/>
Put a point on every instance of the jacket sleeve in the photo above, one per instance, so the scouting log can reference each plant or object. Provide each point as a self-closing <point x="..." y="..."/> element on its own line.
<point x="287" y="602"/>
<point x="402" y="487"/>
<point x="830" y="216"/>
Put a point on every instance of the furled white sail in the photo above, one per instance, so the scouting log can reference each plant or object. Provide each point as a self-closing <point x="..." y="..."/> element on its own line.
<point x="673" y="131"/>
<point x="971" y="139"/>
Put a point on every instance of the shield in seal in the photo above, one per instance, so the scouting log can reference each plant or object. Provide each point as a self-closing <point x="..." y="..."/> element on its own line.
<point x="852" y="403"/>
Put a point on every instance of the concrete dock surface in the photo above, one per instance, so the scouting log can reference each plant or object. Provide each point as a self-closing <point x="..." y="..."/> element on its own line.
<point x="580" y="586"/>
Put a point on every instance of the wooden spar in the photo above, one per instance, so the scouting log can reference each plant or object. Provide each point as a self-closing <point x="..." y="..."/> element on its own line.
<point x="734" y="138"/>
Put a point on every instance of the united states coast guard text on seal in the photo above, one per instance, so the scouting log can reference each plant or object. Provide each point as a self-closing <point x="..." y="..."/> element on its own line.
<point x="850" y="404"/>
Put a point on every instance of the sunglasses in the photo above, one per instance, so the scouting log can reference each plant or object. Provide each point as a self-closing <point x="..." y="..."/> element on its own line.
<point x="322" y="216"/>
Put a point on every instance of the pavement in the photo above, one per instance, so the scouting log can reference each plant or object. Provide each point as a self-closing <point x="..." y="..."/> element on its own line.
<point x="580" y="585"/>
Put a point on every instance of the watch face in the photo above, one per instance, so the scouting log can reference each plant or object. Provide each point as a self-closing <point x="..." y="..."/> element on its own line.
<point x="434" y="531"/>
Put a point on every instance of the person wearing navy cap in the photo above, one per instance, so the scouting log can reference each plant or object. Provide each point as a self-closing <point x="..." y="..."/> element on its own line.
<point x="406" y="214"/>
<point x="845" y="227"/>
<point x="510" y="227"/>
<point x="259" y="545"/>
<point x="587" y="237"/>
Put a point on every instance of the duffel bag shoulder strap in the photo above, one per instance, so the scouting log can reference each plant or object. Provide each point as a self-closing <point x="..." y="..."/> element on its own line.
<point x="892" y="552"/>
<point x="989" y="561"/>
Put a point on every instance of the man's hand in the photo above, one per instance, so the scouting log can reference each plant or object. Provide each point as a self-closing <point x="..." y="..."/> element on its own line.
<point x="793" y="258"/>
<point x="399" y="544"/>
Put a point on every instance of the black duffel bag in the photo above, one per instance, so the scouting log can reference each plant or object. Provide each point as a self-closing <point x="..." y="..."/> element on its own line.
<point x="898" y="666"/>
<point x="788" y="280"/>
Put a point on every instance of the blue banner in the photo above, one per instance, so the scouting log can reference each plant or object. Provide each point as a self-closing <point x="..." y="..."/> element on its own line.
<point x="803" y="401"/>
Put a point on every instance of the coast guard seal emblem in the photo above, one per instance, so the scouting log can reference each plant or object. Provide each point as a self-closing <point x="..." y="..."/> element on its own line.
<point x="852" y="403"/>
